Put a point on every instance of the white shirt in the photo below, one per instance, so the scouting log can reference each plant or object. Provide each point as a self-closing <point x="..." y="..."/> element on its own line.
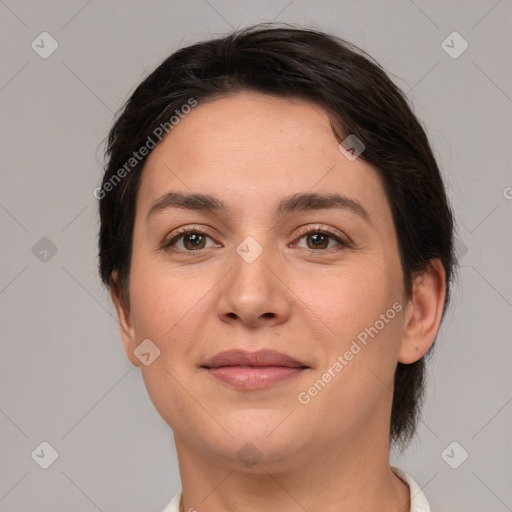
<point x="419" y="501"/>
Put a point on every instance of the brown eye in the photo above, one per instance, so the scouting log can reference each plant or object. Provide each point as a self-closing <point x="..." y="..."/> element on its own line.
<point x="318" y="241"/>
<point x="186" y="241"/>
<point x="321" y="240"/>
<point x="194" y="241"/>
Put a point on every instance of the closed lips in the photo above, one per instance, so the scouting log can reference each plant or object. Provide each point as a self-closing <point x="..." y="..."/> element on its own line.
<point x="260" y="358"/>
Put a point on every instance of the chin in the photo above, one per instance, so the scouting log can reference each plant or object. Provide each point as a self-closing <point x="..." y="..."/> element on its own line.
<point x="257" y="455"/>
<point x="249" y="446"/>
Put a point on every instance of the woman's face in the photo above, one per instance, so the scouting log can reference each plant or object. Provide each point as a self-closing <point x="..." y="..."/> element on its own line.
<point x="250" y="277"/>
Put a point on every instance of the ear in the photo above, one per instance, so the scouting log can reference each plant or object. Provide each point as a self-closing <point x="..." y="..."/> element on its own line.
<point x="124" y="319"/>
<point x="423" y="313"/>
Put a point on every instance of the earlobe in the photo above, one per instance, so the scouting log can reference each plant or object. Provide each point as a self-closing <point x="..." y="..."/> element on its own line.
<point x="125" y="324"/>
<point x="423" y="313"/>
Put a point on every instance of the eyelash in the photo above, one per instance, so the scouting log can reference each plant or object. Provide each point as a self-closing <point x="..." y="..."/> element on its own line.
<point x="180" y="233"/>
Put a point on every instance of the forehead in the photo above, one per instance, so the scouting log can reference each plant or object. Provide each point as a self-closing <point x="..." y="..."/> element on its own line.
<point x="252" y="149"/>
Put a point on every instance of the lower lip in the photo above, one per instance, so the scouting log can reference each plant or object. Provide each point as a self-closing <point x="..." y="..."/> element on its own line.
<point x="254" y="377"/>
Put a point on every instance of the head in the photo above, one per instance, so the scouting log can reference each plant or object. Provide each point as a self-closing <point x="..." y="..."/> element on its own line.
<point x="347" y="254"/>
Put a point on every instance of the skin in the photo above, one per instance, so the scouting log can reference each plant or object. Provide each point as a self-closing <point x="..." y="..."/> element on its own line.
<point x="310" y="303"/>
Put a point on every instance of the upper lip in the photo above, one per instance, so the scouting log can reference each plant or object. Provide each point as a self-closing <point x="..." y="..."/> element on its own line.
<point x="258" y="358"/>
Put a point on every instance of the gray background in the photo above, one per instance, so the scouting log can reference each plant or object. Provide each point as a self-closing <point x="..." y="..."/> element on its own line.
<point x="64" y="377"/>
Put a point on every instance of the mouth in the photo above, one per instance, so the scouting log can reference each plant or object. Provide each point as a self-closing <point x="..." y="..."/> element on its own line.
<point x="253" y="370"/>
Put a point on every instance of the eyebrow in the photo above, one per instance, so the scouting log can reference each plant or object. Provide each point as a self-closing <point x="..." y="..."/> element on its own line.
<point x="299" y="202"/>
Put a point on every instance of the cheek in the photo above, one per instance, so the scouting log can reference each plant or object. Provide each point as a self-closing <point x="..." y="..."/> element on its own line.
<point x="150" y="312"/>
<point x="348" y="299"/>
<point x="356" y="380"/>
<point x="362" y="311"/>
<point x="158" y="299"/>
<point x="163" y="310"/>
<point x="169" y="307"/>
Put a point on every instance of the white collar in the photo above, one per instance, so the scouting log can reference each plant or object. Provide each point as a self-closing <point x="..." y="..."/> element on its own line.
<point x="418" y="499"/>
<point x="419" y="502"/>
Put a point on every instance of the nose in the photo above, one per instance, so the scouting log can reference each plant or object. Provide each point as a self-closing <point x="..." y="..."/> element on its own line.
<point x="254" y="292"/>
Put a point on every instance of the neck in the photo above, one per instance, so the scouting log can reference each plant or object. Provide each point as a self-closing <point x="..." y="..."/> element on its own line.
<point x="344" y="476"/>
